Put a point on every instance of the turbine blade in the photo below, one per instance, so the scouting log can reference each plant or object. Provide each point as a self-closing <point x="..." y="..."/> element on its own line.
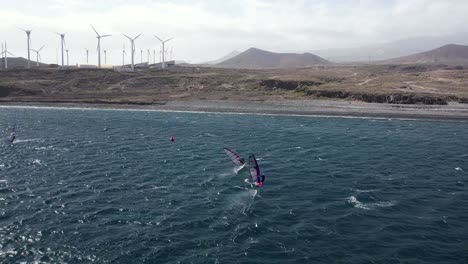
<point x="159" y="38"/>
<point x="169" y="39"/>
<point x="137" y="36"/>
<point x="103" y="36"/>
<point x="127" y="36"/>
<point x="41" y="48"/>
<point x="94" y="29"/>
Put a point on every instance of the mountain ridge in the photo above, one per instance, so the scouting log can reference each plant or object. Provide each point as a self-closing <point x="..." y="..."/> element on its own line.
<point x="448" y="54"/>
<point x="258" y="58"/>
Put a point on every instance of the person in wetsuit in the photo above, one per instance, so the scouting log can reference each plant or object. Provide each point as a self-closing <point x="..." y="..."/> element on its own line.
<point x="260" y="183"/>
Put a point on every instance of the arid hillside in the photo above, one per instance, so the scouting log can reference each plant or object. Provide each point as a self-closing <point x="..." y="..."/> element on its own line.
<point x="408" y="84"/>
<point x="256" y="59"/>
<point x="448" y="54"/>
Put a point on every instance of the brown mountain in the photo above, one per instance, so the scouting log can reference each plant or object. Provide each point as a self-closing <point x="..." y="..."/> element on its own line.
<point x="257" y="58"/>
<point x="448" y="54"/>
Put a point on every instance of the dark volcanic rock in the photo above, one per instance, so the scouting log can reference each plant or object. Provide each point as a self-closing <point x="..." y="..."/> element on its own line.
<point x="6" y="90"/>
<point x="381" y="98"/>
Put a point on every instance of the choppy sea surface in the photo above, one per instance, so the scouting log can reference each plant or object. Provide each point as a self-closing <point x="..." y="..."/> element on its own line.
<point x="107" y="186"/>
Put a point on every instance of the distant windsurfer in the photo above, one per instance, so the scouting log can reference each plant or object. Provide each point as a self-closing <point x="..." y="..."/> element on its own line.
<point x="12" y="137"/>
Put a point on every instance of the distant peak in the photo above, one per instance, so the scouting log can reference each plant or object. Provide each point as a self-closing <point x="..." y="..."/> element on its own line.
<point x="453" y="46"/>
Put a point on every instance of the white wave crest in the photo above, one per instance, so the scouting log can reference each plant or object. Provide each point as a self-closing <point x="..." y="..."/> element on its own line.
<point x="368" y="206"/>
<point x="26" y="140"/>
<point x="239" y="168"/>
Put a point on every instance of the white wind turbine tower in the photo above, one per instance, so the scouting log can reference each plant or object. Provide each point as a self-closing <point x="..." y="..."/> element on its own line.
<point x="1" y="54"/>
<point x="141" y="56"/>
<point x="160" y="55"/>
<point x="123" y="56"/>
<point x="154" y="56"/>
<point x="105" y="56"/>
<point x="5" y="55"/>
<point x="148" y="55"/>
<point x="62" y="37"/>
<point x="132" y="48"/>
<point x="166" y="54"/>
<point x="28" y="38"/>
<point x="38" y="56"/>
<point x="163" y="42"/>
<point x="67" y="57"/>
<point x="87" y="56"/>
<point x="99" y="45"/>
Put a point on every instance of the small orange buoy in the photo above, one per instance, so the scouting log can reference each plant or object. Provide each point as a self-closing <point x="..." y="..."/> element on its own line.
<point x="171" y="139"/>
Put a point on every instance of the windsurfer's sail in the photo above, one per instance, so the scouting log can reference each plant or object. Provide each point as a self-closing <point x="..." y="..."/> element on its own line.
<point x="254" y="169"/>
<point x="12" y="137"/>
<point x="238" y="161"/>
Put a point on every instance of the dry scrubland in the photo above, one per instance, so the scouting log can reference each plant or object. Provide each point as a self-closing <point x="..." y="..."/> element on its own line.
<point x="402" y="84"/>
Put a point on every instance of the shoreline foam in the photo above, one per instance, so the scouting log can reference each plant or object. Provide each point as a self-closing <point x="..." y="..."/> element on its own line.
<point x="313" y="108"/>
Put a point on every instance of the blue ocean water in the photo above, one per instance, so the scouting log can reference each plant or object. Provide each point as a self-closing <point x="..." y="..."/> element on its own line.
<point x="107" y="186"/>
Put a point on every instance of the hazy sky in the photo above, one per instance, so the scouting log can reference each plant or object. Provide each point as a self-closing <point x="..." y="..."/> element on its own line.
<point x="208" y="29"/>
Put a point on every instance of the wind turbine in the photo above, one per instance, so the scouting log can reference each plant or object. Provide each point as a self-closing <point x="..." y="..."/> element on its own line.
<point x="87" y="56"/>
<point x="123" y="56"/>
<point x="132" y="48"/>
<point x="148" y="55"/>
<point x="28" y="38"/>
<point x="141" y="56"/>
<point x="105" y="57"/>
<point x="62" y="37"/>
<point x="160" y="56"/>
<point x="99" y="45"/>
<point x="1" y="54"/>
<point x="6" y="52"/>
<point x="38" y="56"/>
<point x="166" y="54"/>
<point x="163" y="42"/>
<point x="67" y="57"/>
<point x="154" y="56"/>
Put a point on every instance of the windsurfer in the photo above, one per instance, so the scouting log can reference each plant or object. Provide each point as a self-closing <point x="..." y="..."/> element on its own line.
<point x="254" y="171"/>
<point x="12" y="137"/>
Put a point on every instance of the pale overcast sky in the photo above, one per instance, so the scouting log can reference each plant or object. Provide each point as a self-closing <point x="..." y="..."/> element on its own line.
<point x="209" y="29"/>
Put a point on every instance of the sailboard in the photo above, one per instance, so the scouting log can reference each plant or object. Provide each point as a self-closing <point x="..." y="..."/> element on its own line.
<point x="236" y="159"/>
<point x="254" y="170"/>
